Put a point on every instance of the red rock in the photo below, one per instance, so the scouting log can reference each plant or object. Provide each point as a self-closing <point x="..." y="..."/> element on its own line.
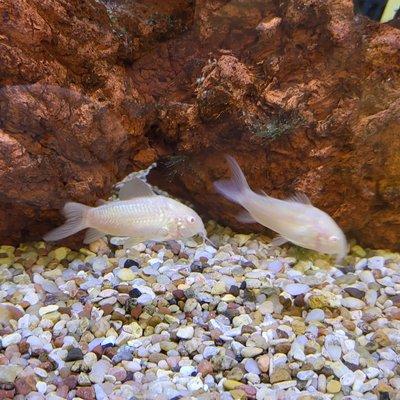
<point x="25" y="385"/>
<point x="70" y="381"/>
<point x="85" y="392"/>
<point x="136" y="311"/>
<point x="205" y="367"/>
<point x="303" y="120"/>
<point x="7" y="394"/>
<point x="63" y="391"/>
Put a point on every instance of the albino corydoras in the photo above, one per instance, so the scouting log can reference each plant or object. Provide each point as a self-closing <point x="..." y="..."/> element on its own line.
<point x="140" y="215"/>
<point x="296" y="220"/>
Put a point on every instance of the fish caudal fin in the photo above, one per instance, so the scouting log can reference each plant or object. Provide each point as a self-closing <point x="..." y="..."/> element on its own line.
<point x="236" y="188"/>
<point x="75" y="215"/>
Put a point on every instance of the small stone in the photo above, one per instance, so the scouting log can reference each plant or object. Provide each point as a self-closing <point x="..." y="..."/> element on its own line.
<point x="230" y="384"/>
<point x="195" y="384"/>
<point x="353" y="303"/>
<point x="250" y="352"/>
<point x="263" y="363"/>
<point x="125" y="275"/>
<point x="376" y="262"/>
<point x="251" y="366"/>
<point x="134" y="329"/>
<point x="333" y="386"/>
<point x="74" y="354"/>
<point x="294" y="289"/>
<point x="13" y="338"/>
<point x="280" y="375"/>
<point x="266" y="308"/>
<point x="9" y="372"/>
<point x="315" y="315"/>
<point x="185" y="332"/>
<point x="61" y="253"/>
<point x="354" y="292"/>
<point x="130" y="263"/>
<point x="205" y="368"/>
<point x="86" y="393"/>
<point x="241" y="320"/>
<point x="48" y="309"/>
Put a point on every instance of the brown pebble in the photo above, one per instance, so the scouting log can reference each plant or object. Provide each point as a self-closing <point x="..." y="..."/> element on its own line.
<point x="58" y="341"/>
<point x="350" y="325"/>
<point x="98" y="350"/>
<point x="107" y="309"/>
<point x="164" y="310"/>
<point x="157" y="357"/>
<point x="136" y="311"/>
<point x="299" y="301"/>
<point x="354" y="292"/>
<point x="110" y="352"/>
<point x="283" y="348"/>
<point x="48" y="366"/>
<point x="23" y="347"/>
<point x="179" y="294"/>
<point x="248" y="329"/>
<point x="125" y="289"/>
<point x="65" y="310"/>
<point x="205" y="367"/>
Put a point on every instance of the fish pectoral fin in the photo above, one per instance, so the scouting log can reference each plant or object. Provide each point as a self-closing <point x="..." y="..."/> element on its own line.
<point x="278" y="241"/>
<point x="101" y="202"/>
<point x="132" y="241"/>
<point x="92" y="235"/>
<point x="135" y="188"/>
<point x="300" y="197"/>
<point x="245" y="217"/>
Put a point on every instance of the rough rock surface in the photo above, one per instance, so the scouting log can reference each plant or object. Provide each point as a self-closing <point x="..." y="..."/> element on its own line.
<point x="303" y="93"/>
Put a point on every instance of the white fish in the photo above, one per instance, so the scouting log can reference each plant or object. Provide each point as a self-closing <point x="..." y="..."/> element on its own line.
<point x="141" y="215"/>
<point x="296" y="220"/>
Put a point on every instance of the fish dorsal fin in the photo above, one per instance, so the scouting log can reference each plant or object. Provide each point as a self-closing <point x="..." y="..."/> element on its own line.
<point x="300" y="197"/>
<point x="135" y="188"/>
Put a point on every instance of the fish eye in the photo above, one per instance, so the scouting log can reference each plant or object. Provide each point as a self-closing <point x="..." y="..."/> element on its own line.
<point x="191" y="220"/>
<point x="333" y="238"/>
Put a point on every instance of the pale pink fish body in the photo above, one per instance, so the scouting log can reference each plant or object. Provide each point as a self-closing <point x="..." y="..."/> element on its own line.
<point x="140" y="215"/>
<point x="296" y="220"/>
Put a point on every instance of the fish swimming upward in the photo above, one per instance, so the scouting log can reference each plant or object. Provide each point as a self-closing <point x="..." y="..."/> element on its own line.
<point x="296" y="220"/>
<point x="141" y="215"/>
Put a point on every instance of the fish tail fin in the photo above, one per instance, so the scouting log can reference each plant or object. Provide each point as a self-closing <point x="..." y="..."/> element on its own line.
<point x="75" y="214"/>
<point x="236" y="188"/>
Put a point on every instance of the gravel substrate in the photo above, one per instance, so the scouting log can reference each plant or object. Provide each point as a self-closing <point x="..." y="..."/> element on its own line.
<point x="185" y="320"/>
<point x="177" y="320"/>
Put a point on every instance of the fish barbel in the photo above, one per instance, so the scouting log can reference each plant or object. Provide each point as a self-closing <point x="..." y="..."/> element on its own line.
<point x="140" y="215"/>
<point x="296" y="220"/>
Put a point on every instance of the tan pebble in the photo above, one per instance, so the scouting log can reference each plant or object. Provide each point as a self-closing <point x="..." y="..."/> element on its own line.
<point x="280" y="375"/>
<point x="230" y="384"/>
<point x="333" y="386"/>
<point x="263" y="363"/>
<point x="238" y="394"/>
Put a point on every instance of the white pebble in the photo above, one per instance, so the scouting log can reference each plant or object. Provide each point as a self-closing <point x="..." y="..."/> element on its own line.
<point x="315" y="315"/>
<point x="13" y="338"/>
<point x="48" y="309"/>
<point x="353" y="303"/>
<point x="185" y="332"/>
<point x="294" y="289"/>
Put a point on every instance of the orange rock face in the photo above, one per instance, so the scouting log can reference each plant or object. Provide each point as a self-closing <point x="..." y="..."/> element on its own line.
<point x="304" y="94"/>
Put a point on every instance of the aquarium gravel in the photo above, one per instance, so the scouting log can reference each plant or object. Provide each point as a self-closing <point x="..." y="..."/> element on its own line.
<point x="190" y="321"/>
